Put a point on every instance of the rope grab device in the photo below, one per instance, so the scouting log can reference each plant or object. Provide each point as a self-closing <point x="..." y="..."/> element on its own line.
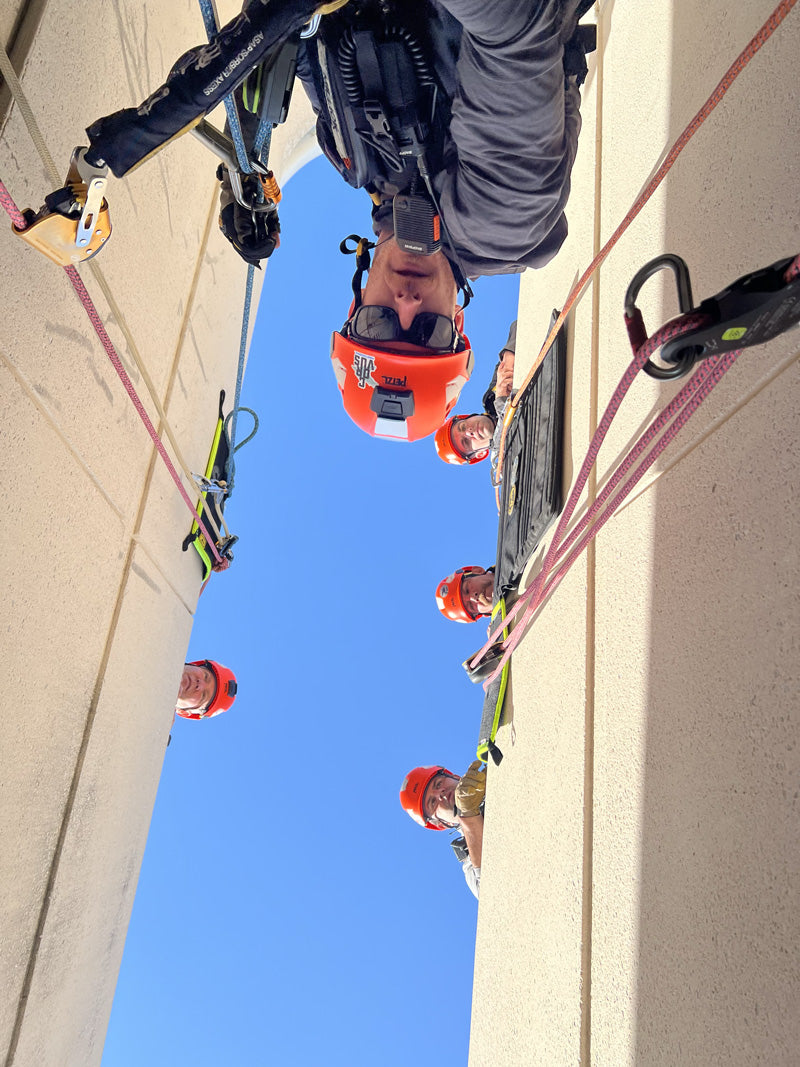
<point x="74" y="223"/>
<point x="753" y="309"/>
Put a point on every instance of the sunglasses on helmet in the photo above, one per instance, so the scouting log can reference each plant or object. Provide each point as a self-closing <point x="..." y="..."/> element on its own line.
<point x="371" y="322"/>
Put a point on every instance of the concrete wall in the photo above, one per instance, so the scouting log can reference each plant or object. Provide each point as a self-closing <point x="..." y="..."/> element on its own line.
<point x="98" y="596"/>
<point x="640" y="888"/>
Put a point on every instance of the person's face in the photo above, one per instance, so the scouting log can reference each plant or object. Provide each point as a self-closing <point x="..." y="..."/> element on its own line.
<point x="476" y="592"/>
<point x="197" y="688"/>
<point x="439" y="802"/>
<point x="410" y="284"/>
<point x="472" y="434"/>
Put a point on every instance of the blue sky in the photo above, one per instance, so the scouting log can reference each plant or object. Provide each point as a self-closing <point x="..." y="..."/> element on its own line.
<point x="288" y="911"/>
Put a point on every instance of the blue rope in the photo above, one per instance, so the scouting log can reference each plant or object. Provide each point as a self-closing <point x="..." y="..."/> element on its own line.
<point x="263" y="138"/>
<point x="252" y="433"/>
<point x="230" y="466"/>
<point x="261" y="147"/>
<point x="210" y="23"/>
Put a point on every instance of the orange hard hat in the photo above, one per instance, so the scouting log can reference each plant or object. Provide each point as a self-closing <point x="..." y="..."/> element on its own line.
<point x="224" y="693"/>
<point x="446" y="449"/>
<point x="401" y="396"/>
<point x="450" y="598"/>
<point x="413" y="790"/>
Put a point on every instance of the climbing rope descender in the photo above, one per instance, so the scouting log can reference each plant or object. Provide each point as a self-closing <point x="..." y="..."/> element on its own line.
<point x="753" y="309"/>
<point x="74" y="223"/>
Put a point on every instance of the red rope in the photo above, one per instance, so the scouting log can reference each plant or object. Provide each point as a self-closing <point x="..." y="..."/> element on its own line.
<point x="793" y="270"/>
<point x="21" y="224"/>
<point x="14" y="212"/>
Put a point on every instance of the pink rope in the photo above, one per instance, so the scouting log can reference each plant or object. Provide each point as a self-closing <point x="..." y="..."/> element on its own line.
<point x="735" y="69"/>
<point x="680" y="409"/>
<point x="712" y="373"/>
<point x="14" y="212"/>
<point x="19" y="221"/>
<point x="793" y="270"/>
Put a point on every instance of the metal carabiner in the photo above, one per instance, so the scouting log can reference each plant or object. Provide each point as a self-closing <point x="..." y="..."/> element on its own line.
<point x="750" y="311"/>
<point x="633" y="317"/>
<point x="311" y="27"/>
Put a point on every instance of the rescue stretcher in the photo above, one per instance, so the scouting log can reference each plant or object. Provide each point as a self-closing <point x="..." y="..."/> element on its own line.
<point x="531" y="498"/>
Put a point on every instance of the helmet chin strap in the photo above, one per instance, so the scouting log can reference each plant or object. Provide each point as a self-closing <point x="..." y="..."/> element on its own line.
<point x="363" y="246"/>
<point x="361" y="252"/>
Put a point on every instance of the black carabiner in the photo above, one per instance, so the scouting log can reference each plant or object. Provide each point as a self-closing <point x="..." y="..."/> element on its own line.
<point x="684" y="358"/>
<point x="753" y="309"/>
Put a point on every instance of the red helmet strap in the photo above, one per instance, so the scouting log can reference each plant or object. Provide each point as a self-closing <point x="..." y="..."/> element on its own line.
<point x="435" y="818"/>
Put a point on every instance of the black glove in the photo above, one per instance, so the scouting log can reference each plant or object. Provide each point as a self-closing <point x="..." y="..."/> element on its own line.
<point x="255" y="237"/>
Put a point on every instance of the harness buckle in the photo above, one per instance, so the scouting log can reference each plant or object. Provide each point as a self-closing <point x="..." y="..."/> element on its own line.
<point x="376" y="117"/>
<point x="750" y="311"/>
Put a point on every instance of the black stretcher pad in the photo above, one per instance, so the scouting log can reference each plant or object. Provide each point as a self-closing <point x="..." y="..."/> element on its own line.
<point x="530" y="500"/>
<point x="530" y="497"/>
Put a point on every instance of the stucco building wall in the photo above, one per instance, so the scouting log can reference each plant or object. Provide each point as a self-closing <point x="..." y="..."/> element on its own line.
<point x="98" y="596"/>
<point x="639" y="901"/>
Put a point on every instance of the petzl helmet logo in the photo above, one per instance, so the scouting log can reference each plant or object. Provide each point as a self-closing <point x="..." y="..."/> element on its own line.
<point x="363" y="366"/>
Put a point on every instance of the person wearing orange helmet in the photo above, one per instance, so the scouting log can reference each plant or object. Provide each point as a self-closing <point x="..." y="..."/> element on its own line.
<point x="439" y="800"/>
<point x="207" y="689"/>
<point x="467" y="594"/>
<point x="467" y="439"/>
<point x="459" y="119"/>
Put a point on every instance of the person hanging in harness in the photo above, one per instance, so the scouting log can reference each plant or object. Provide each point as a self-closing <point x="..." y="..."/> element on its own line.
<point x="486" y="195"/>
<point x="468" y="439"/>
<point x="439" y="800"/>
<point x="459" y="118"/>
<point x="467" y="594"/>
<point x="207" y="689"/>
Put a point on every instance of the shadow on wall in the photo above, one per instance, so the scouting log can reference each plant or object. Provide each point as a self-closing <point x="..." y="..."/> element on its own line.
<point x="719" y="899"/>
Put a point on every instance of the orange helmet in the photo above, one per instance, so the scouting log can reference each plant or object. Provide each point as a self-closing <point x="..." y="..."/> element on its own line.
<point x="449" y="596"/>
<point x="413" y="790"/>
<point x="398" y="395"/>
<point x="447" y="450"/>
<point x="224" y="693"/>
<point x="401" y="396"/>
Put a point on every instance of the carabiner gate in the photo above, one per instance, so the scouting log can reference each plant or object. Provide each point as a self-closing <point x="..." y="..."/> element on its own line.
<point x="684" y="357"/>
<point x="753" y="309"/>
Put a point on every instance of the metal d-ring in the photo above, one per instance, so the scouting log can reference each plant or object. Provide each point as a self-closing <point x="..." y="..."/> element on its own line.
<point x="683" y="285"/>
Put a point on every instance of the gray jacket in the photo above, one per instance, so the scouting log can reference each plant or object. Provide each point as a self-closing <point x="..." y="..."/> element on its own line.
<point x="512" y="138"/>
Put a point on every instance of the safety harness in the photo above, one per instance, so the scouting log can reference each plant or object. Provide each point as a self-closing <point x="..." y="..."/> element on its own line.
<point x="380" y="101"/>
